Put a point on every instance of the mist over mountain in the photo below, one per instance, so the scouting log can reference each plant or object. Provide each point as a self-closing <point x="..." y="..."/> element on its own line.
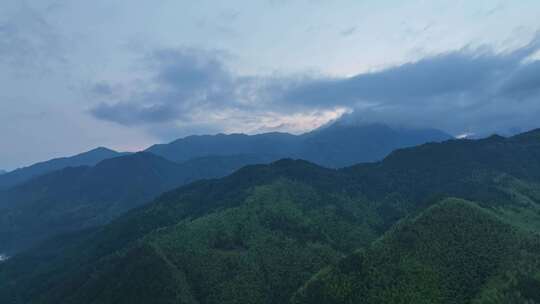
<point x="3" y="172"/>
<point x="292" y="231"/>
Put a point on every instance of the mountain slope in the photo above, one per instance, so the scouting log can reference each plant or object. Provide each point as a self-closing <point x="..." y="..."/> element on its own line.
<point x="239" y="254"/>
<point x="89" y="158"/>
<point x="453" y="166"/>
<point x="448" y="254"/>
<point x="334" y="146"/>
<point x="79" y="197"/>
<point x="343" y="145"/>
<point x="74" y="198"/>
<point x="258" y="234"/>
<point x="270" y="144"/>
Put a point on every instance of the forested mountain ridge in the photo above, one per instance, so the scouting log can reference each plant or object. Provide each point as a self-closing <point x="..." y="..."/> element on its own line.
<point x="88" y="158"/>
<point x="41" y="202"/>
<point x="454" y="252"/>
<point x="77" y="198"/>
<point x="260" y="234"/>
<point x="337" y="145"/>
<point x="183" y="149"/>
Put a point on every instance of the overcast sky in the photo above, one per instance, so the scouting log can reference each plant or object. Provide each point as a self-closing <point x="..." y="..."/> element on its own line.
<point x="126" y="74"/>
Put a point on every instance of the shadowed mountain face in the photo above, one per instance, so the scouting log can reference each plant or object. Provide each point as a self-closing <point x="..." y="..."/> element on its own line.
<point x="262" y="233"/>
<point x="275" y="144"/>
<point x="335" y="146"/>
<point x="345" y="145"/>
<point x="89" y="158"/>
<point x="76" y="198"/>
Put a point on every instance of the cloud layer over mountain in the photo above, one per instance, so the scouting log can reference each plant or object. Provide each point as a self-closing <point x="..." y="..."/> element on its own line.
<point x="470" y="90"/>
<point x="78" y="74"/>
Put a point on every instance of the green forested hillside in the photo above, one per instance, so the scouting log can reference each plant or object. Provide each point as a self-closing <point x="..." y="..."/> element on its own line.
<point x="77" y="198"/>
<point x="239" y="254"/>
<point x="68" y="194"/>
<point x="260" y="234"/>
<point x="454" y="252"/>
<point x="80" y="197"/>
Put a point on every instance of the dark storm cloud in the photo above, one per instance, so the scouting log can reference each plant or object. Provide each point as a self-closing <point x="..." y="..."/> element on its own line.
<point x="130" y="114"/>
<point x="473" y="72"/>
<point x="189" y="71"/>
<point x="477" y="90"/>
<point x="524" y="81"/>
<point x="182" y="79"/>
<point x="467" y="90"/>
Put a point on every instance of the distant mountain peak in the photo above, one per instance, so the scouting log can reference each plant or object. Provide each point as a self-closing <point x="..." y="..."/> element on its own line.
<point x="101" y="149"/>
<point x="368" y="126"/>
<point x="88" y="158"/>
<point x="337" y="144"/>
<point x="530" y="135"/>
<point x="495" y="137"/>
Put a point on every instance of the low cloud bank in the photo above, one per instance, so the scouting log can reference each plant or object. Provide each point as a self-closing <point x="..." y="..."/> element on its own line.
<point x="466" y="91"/>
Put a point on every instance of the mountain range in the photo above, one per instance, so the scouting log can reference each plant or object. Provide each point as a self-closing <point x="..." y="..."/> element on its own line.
<point x="76" y="198"/>
<point x="337" y="145"/>
<point x="450" y="222"/>
<point x="90" y="189"/>
<point x="21" y="175"/>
